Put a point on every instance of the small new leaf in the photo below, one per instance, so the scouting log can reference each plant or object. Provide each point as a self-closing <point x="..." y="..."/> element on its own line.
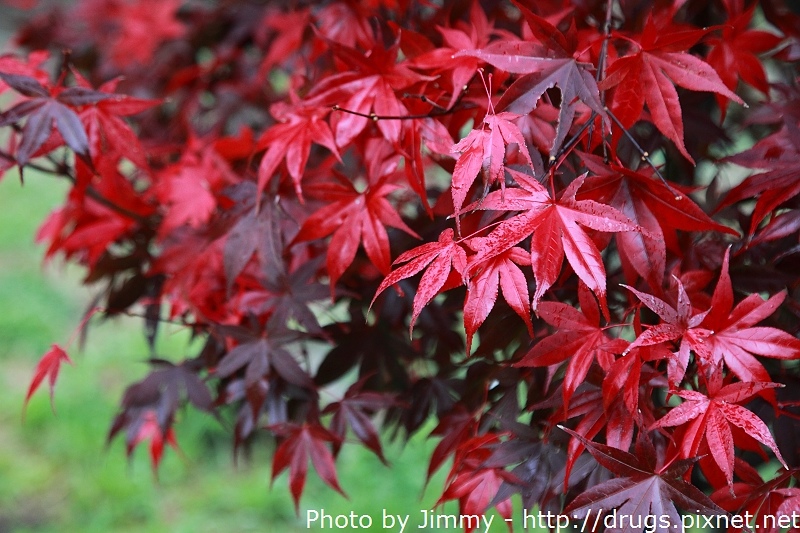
<point x="48" y="367"/>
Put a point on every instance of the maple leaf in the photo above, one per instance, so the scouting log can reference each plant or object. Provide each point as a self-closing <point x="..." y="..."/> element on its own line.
<point x="474" y="485"/>
<point x="185" y="190"/>
<point x="288" y="29"/>
<point x="578" y="337"/>
<point x="484" y="150"/>
<point x="734" y="54"/>
<point x="256" y="232"/>
<point x="501" y="272"/>
<point x="642" y="493"/>
<point x="460" y="69"/>
<point x="263" y="355"/>
<point x="301" y="443"/>
<point x="593" y="413"/>
<point x="538" y="468"/>
<point x="764" y="501"/>
<point x="441" y="258"/>
<point x="677" y="323"/>
<point x="85" y="227"/>
<point x="106" y="131"/>
<point x="777" y="185"/>
<point x="354" y="410"/>
<point x="368" y="90"/>
<point x="650" y="74"/>
<point x="290" y="140"/>
<point x="354" y="217"/>
<point x="148" y="407"/>
<point x="143" y="26"/>
<point x="47" y="367"/>
<point x="711" y="417"/>
<point x="734" y="338"/>
<point x="546" y="64"/>
<point x="148" y="428"/>
<point x="658" y="208"/>
<point x="10" y="64"/>
<point x="45" y="107"/>
<point x="555" y="230"/>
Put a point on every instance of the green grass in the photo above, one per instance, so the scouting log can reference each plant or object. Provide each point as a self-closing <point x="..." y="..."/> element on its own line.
<point x="57" y="473"/>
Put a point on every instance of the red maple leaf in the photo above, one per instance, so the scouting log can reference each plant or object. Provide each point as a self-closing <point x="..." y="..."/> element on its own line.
<point x="368" y="90"/>
<point x="764" y="501"/>
<point x="734" y="55"/>
<point x="472" y="483"/>
<point x="107" y="132"/>
<point x="464" y="36"/>
<point x="500" y="272"/>
<point x="710" y="417"/>
<point x="25" y="67"/>
<point x="290" y="140"/>
<point x="650" y="74"/>
<point x="776" y="186"/>
<point x="643" y="491"/>
<point x="441" y="258"/>
<point x="143" y="26"/>
<point x="148" y="428"/>
<point x="655" y="206"/>
<point x="548" y="61"/>
<point x="555" y="227"/>
<point x="484" y="151"/>
<point x="735" y="339"/>
<point x="354" y="217"/>
<point x="301" y="443"/>
<point x="578" y="337"/>
<point x="187" y="189"/>
<point x="677" y="323"/>
<point x="48" y="367"/>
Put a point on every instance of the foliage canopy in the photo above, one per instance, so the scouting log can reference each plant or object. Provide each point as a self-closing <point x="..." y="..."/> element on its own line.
<point x="566" y="230"/>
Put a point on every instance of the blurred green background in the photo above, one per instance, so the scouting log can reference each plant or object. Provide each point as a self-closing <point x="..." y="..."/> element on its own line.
<point x="56" y="473"/>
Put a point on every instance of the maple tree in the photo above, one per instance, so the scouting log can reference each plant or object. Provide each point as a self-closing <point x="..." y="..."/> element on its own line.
<point x="335" y="195"/>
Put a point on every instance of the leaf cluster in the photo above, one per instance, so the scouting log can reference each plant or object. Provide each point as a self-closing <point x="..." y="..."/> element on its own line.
<point x="333" y="196"/>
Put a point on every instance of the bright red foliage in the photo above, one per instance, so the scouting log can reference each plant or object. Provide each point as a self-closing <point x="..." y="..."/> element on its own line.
<point x="372" y="177"/>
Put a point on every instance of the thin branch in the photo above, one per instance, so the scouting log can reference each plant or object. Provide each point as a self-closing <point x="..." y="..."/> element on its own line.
<point x="90" y="191"/>
<point x="133" y="314"/>
<point x="438" y="110"/>
<point x="425" y="99"/>
<point x="569" y="145"/>
<point x="33" y="166"/>
<point x="601" y="62"/>
<point x="375" y="117"/>
<point x="645" y="155"/>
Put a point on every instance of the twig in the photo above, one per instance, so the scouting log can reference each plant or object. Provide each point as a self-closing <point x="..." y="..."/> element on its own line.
<point x="601" y="62"/>
<point x="424" y="99"/>
<point x="375" y="117"/>
<point x="644" y="153"/>
<point x="437" y="112"/>
<point x="90" y="191"/>
<point x="569" y="145"/>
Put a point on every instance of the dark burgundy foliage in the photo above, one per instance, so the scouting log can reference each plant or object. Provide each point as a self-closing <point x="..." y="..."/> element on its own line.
<point x="566" y="231"/>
